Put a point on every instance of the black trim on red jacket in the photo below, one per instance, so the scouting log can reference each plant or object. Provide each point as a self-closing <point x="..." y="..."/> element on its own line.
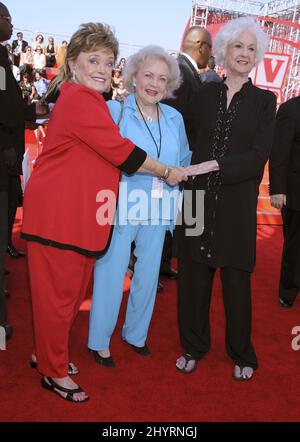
<point x="134" y="161"/>
<point x="49" y="242"/>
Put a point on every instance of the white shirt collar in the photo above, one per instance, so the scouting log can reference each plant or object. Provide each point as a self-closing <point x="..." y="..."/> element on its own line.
<point x="191" y="60"/>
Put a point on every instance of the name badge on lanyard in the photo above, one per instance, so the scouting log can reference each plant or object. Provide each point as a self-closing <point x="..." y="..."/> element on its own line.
<point x="157" y="188"/>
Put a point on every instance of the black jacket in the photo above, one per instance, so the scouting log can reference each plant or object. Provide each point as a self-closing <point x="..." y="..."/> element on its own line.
<point x="13" y="114"/>
<point x="250" y="141"/>
<point x="284" y="163"/>
<point x="189" y="87"/>
<point x="15" y="45"/>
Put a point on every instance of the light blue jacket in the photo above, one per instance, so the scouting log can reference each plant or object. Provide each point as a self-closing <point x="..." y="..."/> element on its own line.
<point x="174" y="152"/>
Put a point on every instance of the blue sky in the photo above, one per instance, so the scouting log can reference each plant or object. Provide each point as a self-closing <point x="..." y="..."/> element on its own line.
<point x="139" y="22"/>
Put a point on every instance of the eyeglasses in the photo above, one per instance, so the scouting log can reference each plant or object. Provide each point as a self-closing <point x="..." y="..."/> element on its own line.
<point x="6" y="17"/>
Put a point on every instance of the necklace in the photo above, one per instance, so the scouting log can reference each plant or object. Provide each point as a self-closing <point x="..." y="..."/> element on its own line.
<point x="146" y="116"/>
<point x="158" y="147"/>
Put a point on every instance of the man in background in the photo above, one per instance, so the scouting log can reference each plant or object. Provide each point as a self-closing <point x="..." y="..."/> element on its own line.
<point x="196" y="50"/>
<point x="285" y="195"/>
<point x="18" y="47"/>
<point x="210" y="74"/>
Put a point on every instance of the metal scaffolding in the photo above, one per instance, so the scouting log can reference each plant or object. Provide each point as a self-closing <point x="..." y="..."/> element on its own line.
<point x="283" y="27"/>
<point x="280" y="18"/>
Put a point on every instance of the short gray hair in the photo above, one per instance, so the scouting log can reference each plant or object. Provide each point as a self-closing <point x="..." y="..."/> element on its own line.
<point x="152" y="52"/>
<point x="231" y="30"/>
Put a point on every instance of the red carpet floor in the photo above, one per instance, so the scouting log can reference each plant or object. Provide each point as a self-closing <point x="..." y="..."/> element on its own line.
<point x="150" y="389"/>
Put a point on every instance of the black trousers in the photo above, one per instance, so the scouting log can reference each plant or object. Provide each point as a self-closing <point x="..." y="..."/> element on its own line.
<point x="3" y="246"/>
<point x="289" y="284"/>
<point x="195" y="282"/>
<point x="14" y="201"/>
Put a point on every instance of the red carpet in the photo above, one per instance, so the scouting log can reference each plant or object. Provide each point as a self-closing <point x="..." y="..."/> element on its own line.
<point x="151" y="389"/>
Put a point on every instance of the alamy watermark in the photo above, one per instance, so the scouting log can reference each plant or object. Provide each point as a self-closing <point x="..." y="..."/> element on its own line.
<point x="185" y="208"/>
<point x="296" y="340"/>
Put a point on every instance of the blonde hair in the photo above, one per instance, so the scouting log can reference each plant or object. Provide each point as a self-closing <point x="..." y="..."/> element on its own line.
<point x="90" y="36"/>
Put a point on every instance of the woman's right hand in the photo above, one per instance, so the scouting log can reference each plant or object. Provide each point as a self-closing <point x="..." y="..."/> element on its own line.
<point x="176" y="175"/>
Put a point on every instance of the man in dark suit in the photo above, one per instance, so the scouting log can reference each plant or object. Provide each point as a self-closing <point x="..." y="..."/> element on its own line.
<point x="18" y="46"/>
<point x="196" y="46"/>
<point x="285" y="195"/>
<point x="210" y="74"/>
<point x="13" y="114"/>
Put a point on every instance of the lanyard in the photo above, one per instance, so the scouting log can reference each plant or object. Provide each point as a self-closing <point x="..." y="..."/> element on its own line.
<point x="158" y="148"/>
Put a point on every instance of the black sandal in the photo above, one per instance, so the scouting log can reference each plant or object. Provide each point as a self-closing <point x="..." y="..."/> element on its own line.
<point x="188" y="358"/>
<point x="71" y="371"/>
<point x="51" y="385"/>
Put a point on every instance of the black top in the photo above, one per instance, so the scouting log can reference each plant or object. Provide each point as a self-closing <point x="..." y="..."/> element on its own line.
<point x="15" y="44"/>
<point x="285" y="155"/>
<point x="240" y="139"/>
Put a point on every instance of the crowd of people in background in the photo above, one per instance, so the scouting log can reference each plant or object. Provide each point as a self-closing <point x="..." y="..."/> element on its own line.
<point x="29" y="63"/>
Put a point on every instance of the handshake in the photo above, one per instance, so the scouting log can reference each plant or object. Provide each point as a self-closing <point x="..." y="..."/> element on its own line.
<point x="178" y="174"/>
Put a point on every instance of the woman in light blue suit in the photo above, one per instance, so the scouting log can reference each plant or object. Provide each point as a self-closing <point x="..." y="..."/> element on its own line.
<point x="147" y="206"/>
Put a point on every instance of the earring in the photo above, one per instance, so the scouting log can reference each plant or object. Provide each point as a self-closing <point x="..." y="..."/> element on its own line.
<point x="134" y="84"/>
<point x="74" y="75"/>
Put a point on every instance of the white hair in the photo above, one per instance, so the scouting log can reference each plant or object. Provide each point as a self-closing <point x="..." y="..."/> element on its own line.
<point x="231" y="30"/>
<point x="152" y="52"/>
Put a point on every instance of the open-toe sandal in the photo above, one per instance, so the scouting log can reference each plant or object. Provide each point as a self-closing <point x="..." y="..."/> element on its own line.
<point x="242" y="373"/>
<point x="188" y="358"/>
<point x="51" y="385"/>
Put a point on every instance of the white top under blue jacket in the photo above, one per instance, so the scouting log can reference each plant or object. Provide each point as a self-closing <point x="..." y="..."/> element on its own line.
<point x="174" y="152"/>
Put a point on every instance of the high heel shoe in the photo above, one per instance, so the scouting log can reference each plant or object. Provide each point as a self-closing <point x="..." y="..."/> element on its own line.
<point x="106" y="362"/>
<point x="142" y="351"/>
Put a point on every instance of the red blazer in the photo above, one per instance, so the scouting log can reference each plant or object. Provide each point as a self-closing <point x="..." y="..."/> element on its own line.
<point x="82" y="155"/>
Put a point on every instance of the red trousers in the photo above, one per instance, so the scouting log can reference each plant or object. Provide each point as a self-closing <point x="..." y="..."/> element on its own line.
<point x="58" y="280"/>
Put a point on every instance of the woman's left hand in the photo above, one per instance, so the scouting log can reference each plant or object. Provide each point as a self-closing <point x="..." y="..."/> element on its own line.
<point x="202" y="168"/>
<point x="176" y="175"/>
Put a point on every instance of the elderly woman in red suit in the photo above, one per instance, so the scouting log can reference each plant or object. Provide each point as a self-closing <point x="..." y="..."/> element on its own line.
<point x="83" y="155"/>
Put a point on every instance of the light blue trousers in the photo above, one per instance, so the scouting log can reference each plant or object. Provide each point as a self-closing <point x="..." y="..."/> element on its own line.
<point x="109" y="276"/>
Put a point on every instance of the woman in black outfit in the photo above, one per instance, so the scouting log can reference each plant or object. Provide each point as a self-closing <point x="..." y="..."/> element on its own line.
<point x="51" y="53"/>
<point x="234" y="123"/>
